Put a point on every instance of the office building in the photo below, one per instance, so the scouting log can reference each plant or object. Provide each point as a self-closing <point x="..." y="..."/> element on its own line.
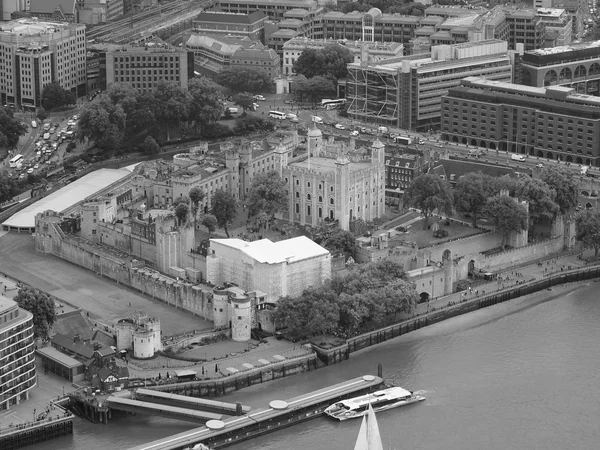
<point x="551" y="122"/>
<point x="7" y="7"/>
<point x="406" y="92"/>
<point x="213" y="54"/>
<point x="223" y="23"/>
<point x="92" y="12"/>
<point x="525" y="27"/>
<point x="34" y="54"/>
<point x="399" y="172"/>
<point x="557" y="22"/>
<point x="377" y="51"/>
<point x="17" y="358"/>
<point x="272" y="8"/>
<point x="144" y="65"/>
<point x="576" y="66"/>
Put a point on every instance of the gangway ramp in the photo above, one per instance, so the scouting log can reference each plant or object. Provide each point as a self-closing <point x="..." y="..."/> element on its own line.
<point x="183" y="401"/>
<point x="173" y="412"/>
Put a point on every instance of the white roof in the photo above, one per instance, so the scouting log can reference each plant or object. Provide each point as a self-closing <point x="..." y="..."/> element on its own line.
<point x="266" y="251"/>
<point x="68" y="196"/>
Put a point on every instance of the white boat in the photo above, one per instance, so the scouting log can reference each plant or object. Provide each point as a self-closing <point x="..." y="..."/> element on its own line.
<point x="368" y="435"/>
<point x="380" y="401"/>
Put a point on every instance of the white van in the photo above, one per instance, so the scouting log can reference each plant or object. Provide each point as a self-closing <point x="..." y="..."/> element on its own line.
<point x="584" y="170"/>
<point x="33" y="124"/>
<point x="383" y="129"/>
<point x="292" y="117"/>
<point x="233" y="110"/>
<point x="515" y="157"/>
<point x="316" y="119"/>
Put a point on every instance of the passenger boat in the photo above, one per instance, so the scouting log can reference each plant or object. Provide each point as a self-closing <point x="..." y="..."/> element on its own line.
<point x="380" y="401"/>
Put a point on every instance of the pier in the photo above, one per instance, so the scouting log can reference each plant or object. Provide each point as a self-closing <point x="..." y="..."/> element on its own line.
<point x="184" y="401"/>
<point x="172" y="412"/>
<point x="280" y="414"/>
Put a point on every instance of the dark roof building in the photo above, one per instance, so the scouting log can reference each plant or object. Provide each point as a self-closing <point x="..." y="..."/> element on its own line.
<point x="72" y="347"/>
<point x="60" y="10"/>
<point x="553" y="122"/>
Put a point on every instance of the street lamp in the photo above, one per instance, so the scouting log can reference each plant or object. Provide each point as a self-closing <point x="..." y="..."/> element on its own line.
<point x="34" y="414"/>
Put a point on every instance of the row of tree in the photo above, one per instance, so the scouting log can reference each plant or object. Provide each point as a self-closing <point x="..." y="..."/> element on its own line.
<point x="367" y="296"/>
<point x="477" y="194"/>
<point x="122" y="112"/>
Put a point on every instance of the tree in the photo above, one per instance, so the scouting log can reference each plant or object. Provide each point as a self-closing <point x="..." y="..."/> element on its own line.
<point x="7" y="187"/>
<point x="206" y="106"/>
<point x="41" y="305"/>
<point x="210" y="222"/>
<point x="313" y="89"/>
<point x="358" y="227"/>
<point x="150" y="146"/>
<point x="103" y="122"/>
<point x="181" y="212"/>
<point x="224" y="208"/>
<point x="180" y="200"/>
<point x="471" y="193"/>
<point x="267" y="194"/>
<point x="564" y="183"/>
<point x="54" y="96"/>
<point x="330" y="61"/>
<point x="507" y="214"/>
<point x="244" y="99"/>
<point x="430" y="193"/>
<point x="196" y="195"/>
<point x="340" y="241"/>
<point x="587" y="225"/>
<point x="10" y="128"/>
<point x="174" y="104"/>
<point x="238" y="79"/>
<point x="540" y="197"/>
<point x="41" y="114"/>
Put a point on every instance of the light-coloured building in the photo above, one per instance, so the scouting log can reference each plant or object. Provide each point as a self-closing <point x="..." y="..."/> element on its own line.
<point x="144" y="65"/>
<point x="377" y="51"/>
<point x="140" y="334"/>
<point x="17" y="358"/>
<point x="34" y="54"/>
<point x="224" y="23"/>
<point x="406" y="92"/>
<point x="335" y="182"/>
<point x="277" y="269"/>
<point x="525" y="28"/>
<point x="272" y="8"/>
<point x="213" y="54"/>
<point x="557" y="21"/>
<point x="576" y="66"/>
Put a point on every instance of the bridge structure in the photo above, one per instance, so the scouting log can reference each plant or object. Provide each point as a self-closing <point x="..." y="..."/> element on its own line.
<point x="220" y="433"/>
<point x="172" y="412"/>
<point x="193" y="403"/>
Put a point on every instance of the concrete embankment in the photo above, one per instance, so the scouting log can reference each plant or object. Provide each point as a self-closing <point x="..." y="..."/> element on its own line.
<point x="342" y="352"/>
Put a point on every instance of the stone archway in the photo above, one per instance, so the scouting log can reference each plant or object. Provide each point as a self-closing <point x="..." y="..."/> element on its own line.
<point x="549" y="155"/>
<point x="540" y="154"/>
<point x="455" y="139"/>
<point x="474" y="142"/>
<point x="588" y="205"/>
<point x="569" y="158"/>
<point x="464" y="140"/>
<point x="424" y="297"/>
<point x="471" y="269"/>
<point x="585" y="193"/>
<point x="483" y="144"/>
<point x="578" y="160"/>
<point x="447" y="255"/>
<point x="492" y="146"/>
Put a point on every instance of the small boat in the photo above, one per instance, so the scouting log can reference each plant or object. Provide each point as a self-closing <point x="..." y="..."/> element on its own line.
<point x="380" y="401"/>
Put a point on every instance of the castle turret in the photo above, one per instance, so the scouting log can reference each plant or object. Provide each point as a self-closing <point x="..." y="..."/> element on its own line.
<point x="220" y="308"/>
<point x="314" y="142"/>
<point x="232" y="162"/>
<point x="240" y="316"/>
<point x="281" y="157"/>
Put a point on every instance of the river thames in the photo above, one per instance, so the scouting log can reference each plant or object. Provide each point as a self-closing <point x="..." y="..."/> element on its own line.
<point x="519" y="375"/>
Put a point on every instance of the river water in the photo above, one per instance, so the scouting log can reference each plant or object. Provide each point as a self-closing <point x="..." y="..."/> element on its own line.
<point x="519" y="375"/>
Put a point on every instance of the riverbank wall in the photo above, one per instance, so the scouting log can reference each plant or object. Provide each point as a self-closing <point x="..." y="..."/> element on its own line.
<point x="342" y="352"/>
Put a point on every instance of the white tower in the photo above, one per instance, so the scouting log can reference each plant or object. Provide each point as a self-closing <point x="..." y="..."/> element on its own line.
<point x="240" y="317"/>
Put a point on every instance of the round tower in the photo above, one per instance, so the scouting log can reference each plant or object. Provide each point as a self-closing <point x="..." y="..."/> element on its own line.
<point x="220" y="310"/>
<point x="314" y="141"/>
<point x="239" y="314"/>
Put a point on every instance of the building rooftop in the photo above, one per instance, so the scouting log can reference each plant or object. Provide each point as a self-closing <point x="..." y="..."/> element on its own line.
<point x="550" y="12"/>
<point x="229" y="17"/>
<point x="296" y="3"/>
<point x="521" y="14"/>
<point x="68" y="196"/>
<point x="59" y="357"/>
<point x="326" y="165"/>
<point x="6" y="303"/>
<point x="267" y="252"/>
<point x="564" y="49"/>
<point x="49" y="6"/>
<point x="31" y="26"/>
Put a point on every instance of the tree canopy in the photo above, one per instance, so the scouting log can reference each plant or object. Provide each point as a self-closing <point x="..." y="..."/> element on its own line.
<point x="365" y="297"/>
<point x="313" y="89"/>
<point x="209" y="222"/>
<point x="41" y="305"/>
<point x="175" y="103"/>
<point x="471" y="193"/>
<point x="507" y="214"/>
<point x="224" y="208"/>
<point x="540" y="196"/>
<point x="563" y="181"/>
<point x="150" y="146"/>
<point x="430" y="193"/>
<point x="238" y="79"/>
<point x="245" y="100"/>
<point x="181" y="212"/>
<point x="587" y="226"/>
<point x="54" y="96"/>
<point x="330" y="62"/>
<point x="206" y="106"/>
<point x="10" y="128"/>
<point x="267" y="194"/>
<point x="7" y="187"/>
<point x="103" y="121"/>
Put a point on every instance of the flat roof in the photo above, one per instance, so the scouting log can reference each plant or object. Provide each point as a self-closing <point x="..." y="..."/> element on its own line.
<point x="6" y="303"/>
<point x="266" y="251"/>
<point x="59" y="357"/>
<point x="66" y="197"/>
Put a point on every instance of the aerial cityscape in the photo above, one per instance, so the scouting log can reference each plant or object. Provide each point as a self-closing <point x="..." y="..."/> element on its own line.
<point x="244" y="223"/>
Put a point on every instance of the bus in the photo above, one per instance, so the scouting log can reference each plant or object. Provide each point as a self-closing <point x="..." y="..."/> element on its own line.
<point x="333" y="104"/>
<point x="403" y="140"/>
<point x="17" y="160"/>
<point x="277" y="115"/>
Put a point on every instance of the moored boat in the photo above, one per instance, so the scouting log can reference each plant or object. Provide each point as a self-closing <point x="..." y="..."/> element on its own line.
<point x="389" y="398"/>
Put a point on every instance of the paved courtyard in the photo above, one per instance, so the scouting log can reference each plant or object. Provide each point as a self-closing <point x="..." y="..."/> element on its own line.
<point x="103" y="299"/>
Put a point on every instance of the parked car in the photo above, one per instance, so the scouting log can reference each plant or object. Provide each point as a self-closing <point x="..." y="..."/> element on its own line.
<point x="354" y="133"/>
<point x="288" y="102"/>
<point x="339" y="126"/>
<point x="259" y="97"/>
